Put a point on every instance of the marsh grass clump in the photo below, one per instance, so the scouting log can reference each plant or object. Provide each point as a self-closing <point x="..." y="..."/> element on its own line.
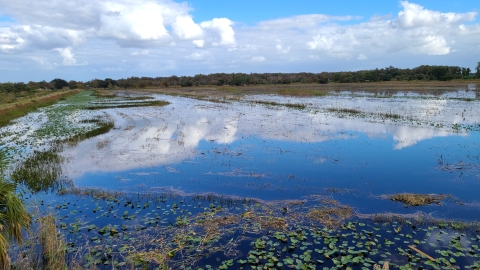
<point x="228" y="201"/>
<point x="288" y="105"/>
<point x="301" y="92"/>
<point x="331" y="217"/>
<point x="91" y="192"/>
<point x="212" y="226"/>
<point x="90" y="121"/>
<point x="113" y="105"/>
<point x="42" y="171"/>
<point x="344" y="110"/>
<point x="103" y="94"/>
<point x="104" y="126"/>
<point x="53" y="247"/>
<point x="391" y="116"/>
<point x="139" y="98"/>
<point x="146" y="258"/>
<point x="414" y="199"/>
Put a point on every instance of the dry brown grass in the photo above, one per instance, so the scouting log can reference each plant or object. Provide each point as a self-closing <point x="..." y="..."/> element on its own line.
<point x="414" y="199"/>
<point x="331" y="217"/>
<point x="53" y="248"/>
<point x="312" y="89"/>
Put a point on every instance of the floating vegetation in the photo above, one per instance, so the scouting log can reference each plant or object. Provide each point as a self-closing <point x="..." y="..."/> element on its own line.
<point x="288" y="105"/>
<point x="138" y="97"/>
<point x="123" y="104"/>
<point x="331" y="216"/>
<point x="344" y="110"/>
<point x="390" y="115"/>
<point x="102" y="126"/>
<point x="413" y="199"/>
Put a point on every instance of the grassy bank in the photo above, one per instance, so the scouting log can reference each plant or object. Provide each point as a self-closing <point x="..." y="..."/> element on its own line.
<point x="315" y="89"/>
<point x="21" y="107"/>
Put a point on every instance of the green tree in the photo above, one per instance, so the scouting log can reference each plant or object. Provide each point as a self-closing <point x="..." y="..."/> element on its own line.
<point x="72" y="84"/>
<point x="59" y="83"/>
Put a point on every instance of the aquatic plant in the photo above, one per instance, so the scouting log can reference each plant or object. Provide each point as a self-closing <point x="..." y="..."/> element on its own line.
<point x="344" y="110"/>
<point x="331" y="216"/>
<point x="42" y="171"/>
<point x="415" y="199"/>
<point x="123" y="104"/>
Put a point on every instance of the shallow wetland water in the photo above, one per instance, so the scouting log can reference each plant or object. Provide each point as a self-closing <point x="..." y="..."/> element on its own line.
<point x="265" y="181"/>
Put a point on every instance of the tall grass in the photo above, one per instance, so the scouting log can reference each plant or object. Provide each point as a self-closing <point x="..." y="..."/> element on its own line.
<point x="301" y="92"/>
<point x="53" y="247"/>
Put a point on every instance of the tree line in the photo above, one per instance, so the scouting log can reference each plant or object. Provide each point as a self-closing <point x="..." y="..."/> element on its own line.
<point x="422" y="73"/>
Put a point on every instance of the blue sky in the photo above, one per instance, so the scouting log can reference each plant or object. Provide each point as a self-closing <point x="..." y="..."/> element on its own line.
<point x="85" y="39"/>
<point x="251" y="12"/>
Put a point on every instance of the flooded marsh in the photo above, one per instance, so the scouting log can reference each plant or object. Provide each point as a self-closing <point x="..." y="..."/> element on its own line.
<point x="341" y="179"/>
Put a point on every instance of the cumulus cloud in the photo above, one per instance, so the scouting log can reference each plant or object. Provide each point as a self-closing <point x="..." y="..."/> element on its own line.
<point x="185" y="28"/>
<point x="223" y="27"/>
<point x="416" y="30"/>
<point x="129" y="26"/>
<point x="103" y="31"/>
<point x="414" y="15"/>
<point x="55" y="25"/>
<point x="67" y="55"/>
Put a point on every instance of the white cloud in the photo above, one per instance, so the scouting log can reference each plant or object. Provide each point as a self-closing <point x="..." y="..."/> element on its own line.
<point x="98" y="32"/>
<point x="258" y="59"/>
<point x="68" y="57"/>
<point x="414" y="15"/>
<point x="129" y="25"/>
<point x="199" y="43"/>
<point x="223" y="27"/>
<point x="185" y="28"/>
